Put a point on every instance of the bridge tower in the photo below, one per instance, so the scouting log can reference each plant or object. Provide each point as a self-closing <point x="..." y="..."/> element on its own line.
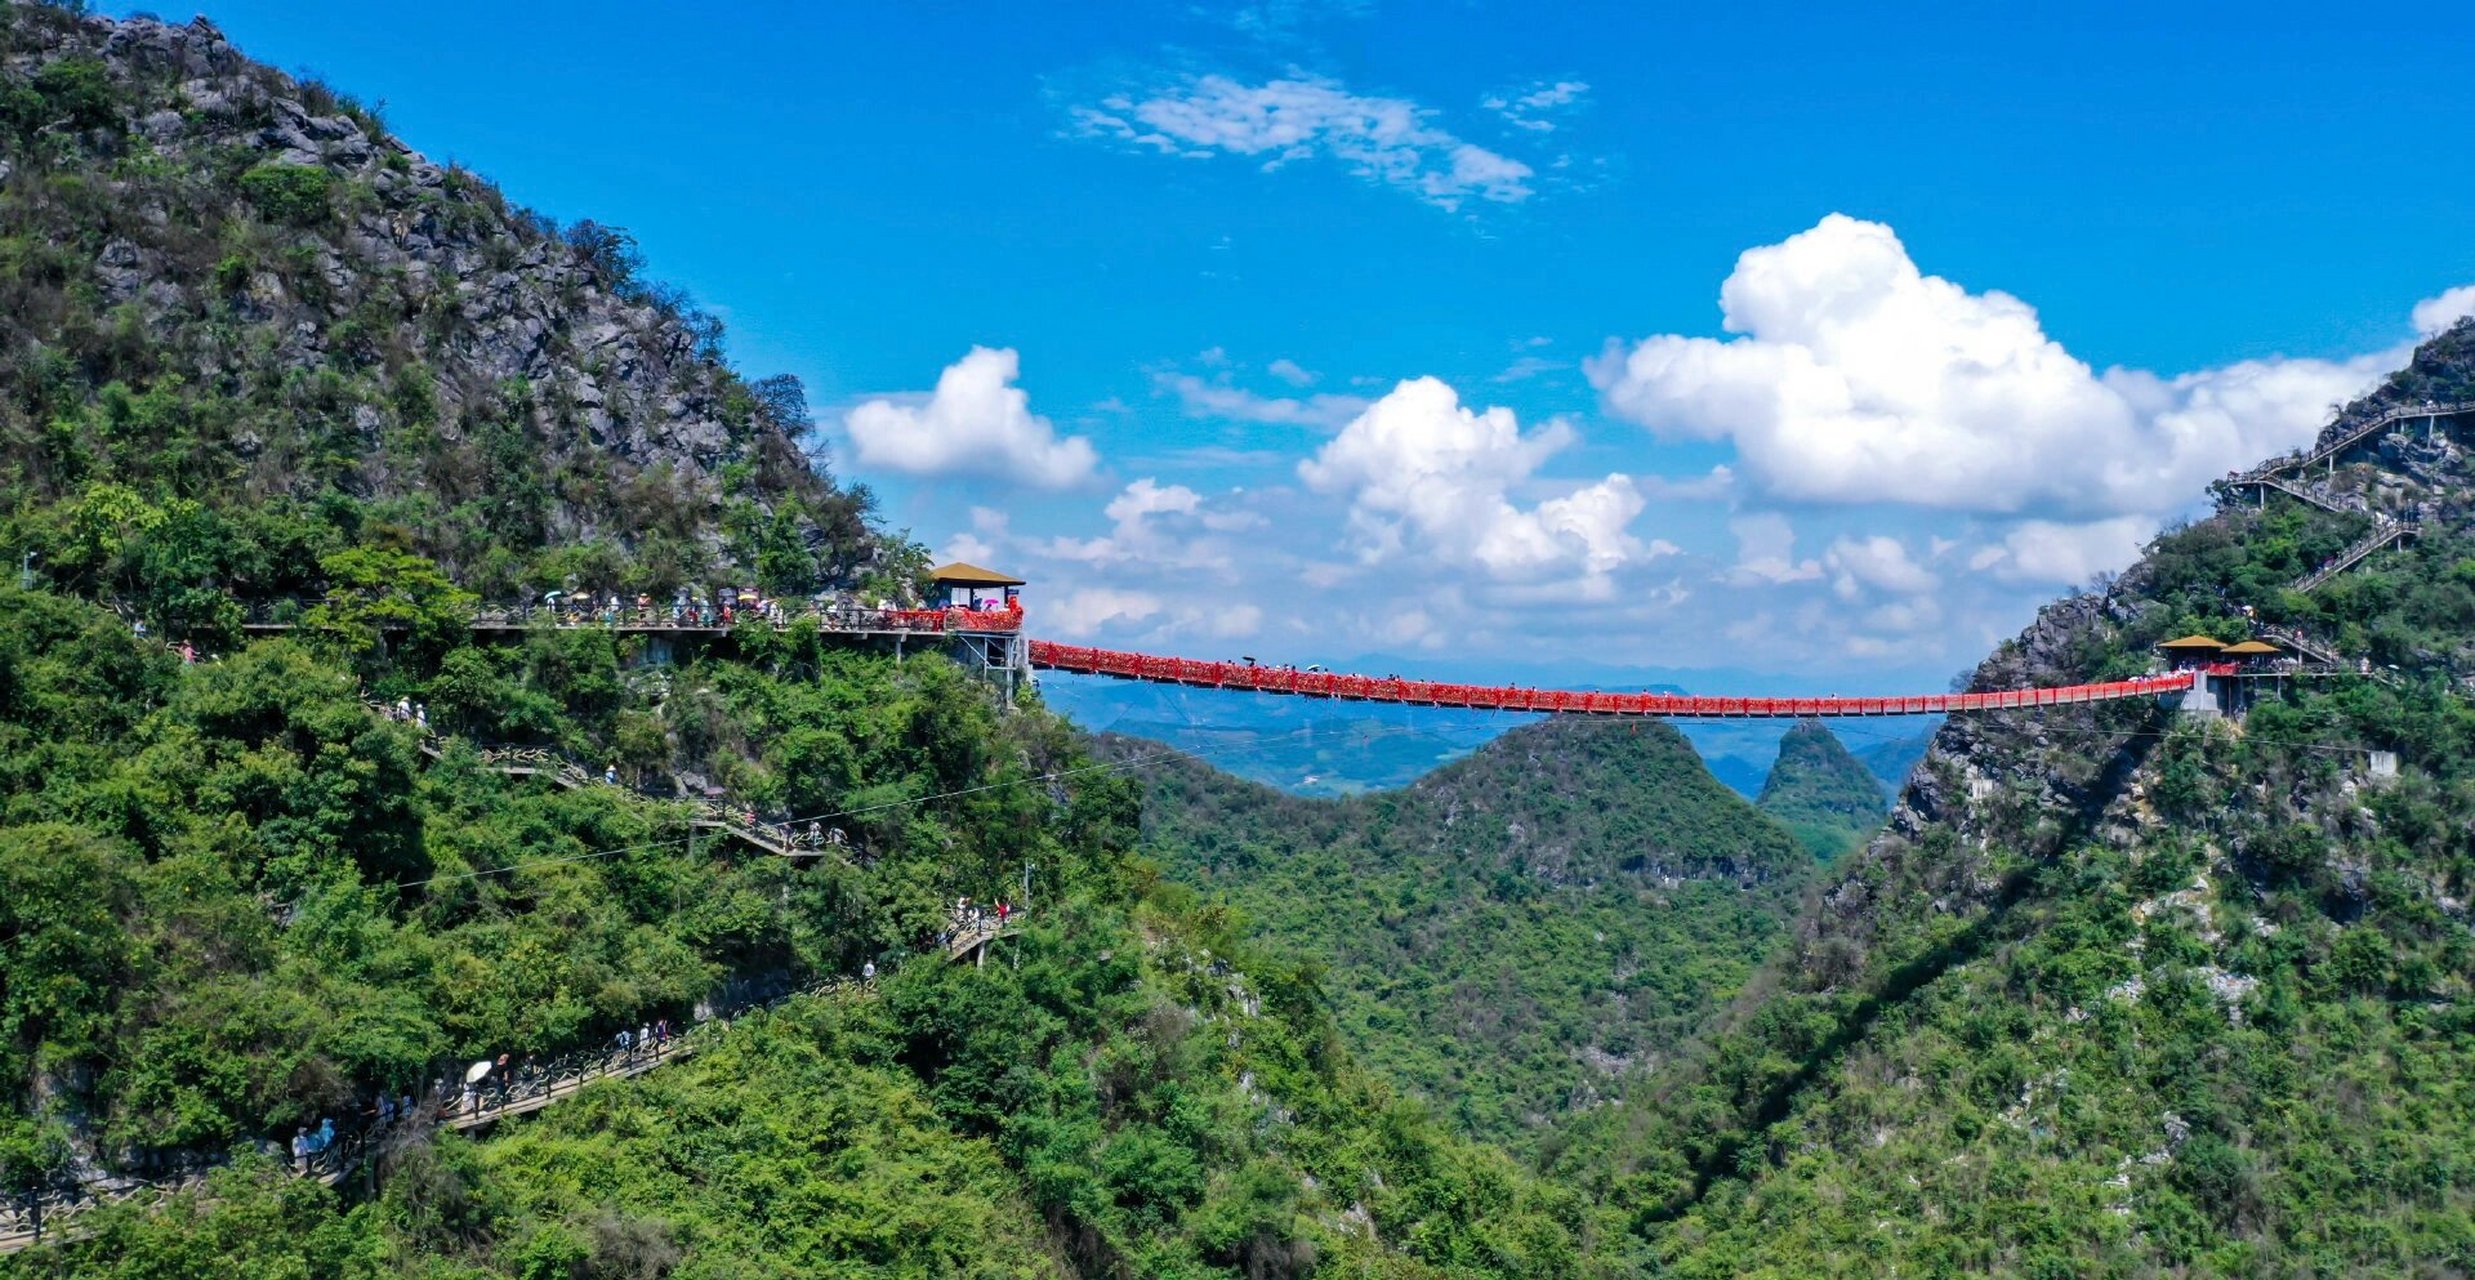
<point x="2212" y="687"/>
<point x="1004" y="656"/>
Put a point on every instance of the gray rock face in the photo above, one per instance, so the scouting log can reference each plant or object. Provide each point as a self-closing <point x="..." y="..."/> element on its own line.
<point x="2024" y="786"/>
<point x="412" y="268"/>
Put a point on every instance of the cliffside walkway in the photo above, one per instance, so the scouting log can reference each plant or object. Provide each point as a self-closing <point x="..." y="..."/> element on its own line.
<point x="2298" y="462"/>
<point x="2299" y="493"/>
<point x="1251" y="678"/>
<point x="525" y="1088"/>
<point x="2389" y="532"/>
<point x="777" y="839"/>
<point x="650" y="620"/>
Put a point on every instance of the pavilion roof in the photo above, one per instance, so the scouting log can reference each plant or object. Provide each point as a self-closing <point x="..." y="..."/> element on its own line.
<point x="965" y="574"/>
<point x="2194" y="642"/>
<point x="2251" y="649"/>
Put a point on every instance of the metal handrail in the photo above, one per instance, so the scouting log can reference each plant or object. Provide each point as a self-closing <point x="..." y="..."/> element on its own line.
<point x="2299" y="461"/>
<point x="526" y="1087"/>
<point x="701" y="619"/>
<point x="2354" y="555"/>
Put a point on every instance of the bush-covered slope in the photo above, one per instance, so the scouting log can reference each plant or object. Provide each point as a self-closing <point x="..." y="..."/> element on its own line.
<point x="2122" y="993"/>
<point x="1821" y="792"/>
<point x="1515" y="935"/>
<point x="234" y="899"/>
<point x="251" y="348"/>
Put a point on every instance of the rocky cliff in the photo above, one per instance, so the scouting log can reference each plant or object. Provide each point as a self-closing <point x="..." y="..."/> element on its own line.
<point x="224" y="284"/>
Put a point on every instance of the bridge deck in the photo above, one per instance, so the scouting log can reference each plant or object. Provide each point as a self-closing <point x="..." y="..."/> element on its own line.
<point x="1318" y="684"/>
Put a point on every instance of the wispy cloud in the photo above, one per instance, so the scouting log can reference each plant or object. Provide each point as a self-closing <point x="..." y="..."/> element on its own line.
<point x="1537" y="107"/>
<point x="1218" y="398"/>
<point x="1392" y="142"/>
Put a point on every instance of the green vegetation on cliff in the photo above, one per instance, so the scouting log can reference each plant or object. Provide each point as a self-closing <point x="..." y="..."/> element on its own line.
<point x="237" y="899"/>
<point x="1516" y="936"/>
<point x="2123" y="993"/>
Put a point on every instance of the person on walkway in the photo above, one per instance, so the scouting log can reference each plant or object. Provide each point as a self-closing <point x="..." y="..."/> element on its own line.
<point x="644" y="1035"/>
<point x="1003" y="910"/>
<point x="622" y="1042"/>
<point x="421" y="715"/>
<point x="326" y="1133"/>
<point x="610" y="775"/>
<point x="300" y="1150"/>
<point x="661" y="1032"/>
<point x="386" y="1110"/>
<point x="465" y="1101"/>
<point x="868" y="973"/>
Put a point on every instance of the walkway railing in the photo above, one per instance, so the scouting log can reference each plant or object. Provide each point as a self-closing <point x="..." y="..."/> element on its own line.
<point x="523" y="1088"/>
<point x="2297" y="642"/>
<point x="1323" y="684"/>
<point x="2302" y="494"/>
<point x="2356" y="436"/>
<point x="2387" y="533"/>
<point x="780" y="839"/>
<point x="699" y="620"/>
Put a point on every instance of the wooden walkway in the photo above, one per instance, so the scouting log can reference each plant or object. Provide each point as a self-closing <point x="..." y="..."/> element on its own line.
<point x="2394" y="531"/>
<point x="2297" y="492"/>
<point x="2328" y="453"/>
<point x="53" y="1220"/>
<point x="558" y="771"/>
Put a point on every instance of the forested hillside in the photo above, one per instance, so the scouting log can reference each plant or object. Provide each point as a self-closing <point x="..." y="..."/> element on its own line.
<point x="253" y="350"/>
<point x="2127" y="993"/>
<point x="2112" y="990"/>
<point x="1518" y="935"/>
<point x="1821" y="792"/>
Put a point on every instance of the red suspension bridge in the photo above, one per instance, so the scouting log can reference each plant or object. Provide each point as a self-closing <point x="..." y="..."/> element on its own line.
<point x="1252" y="678"/>
<point x="989" y="633"/>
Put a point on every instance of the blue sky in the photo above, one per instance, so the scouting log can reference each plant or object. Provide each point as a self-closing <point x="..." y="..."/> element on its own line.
<point x="1398" y="329"/>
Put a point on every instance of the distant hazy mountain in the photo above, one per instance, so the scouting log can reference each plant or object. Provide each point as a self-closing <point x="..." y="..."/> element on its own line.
<point x="1822" y="792"/>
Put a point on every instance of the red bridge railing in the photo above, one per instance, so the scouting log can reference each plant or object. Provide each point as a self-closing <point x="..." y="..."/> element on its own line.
<point x="1321" y="684"/>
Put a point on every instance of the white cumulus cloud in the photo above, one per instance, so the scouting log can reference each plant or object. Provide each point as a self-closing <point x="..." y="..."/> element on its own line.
<point x="1390" y="141"/>
<point x="1766" y="551"/>
<point x="977" y="422"/>
<point x="2045" y="551"/>
<point x="1857" y="378"/>
<point x="1881" y="562"/>
<point x="2435" y="314"/>
<point x="1418" y="465"/>
<point x="1085" y="611"/>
